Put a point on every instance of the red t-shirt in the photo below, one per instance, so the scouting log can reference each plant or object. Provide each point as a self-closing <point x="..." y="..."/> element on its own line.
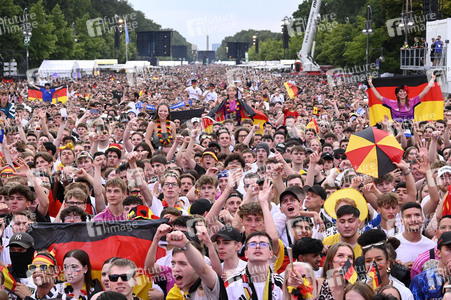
<point x="287" y="113"/>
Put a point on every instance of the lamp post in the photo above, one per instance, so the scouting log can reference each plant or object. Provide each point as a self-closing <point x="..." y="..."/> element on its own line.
<point x="26" y="34"/>
<point x="74" y="33"/>
<point x="285" y="37"/>
<point x="407" y="20"/>
<point x="379" y="59"/>
<point x="256" y="41"/>
<point x="368" y="30"/>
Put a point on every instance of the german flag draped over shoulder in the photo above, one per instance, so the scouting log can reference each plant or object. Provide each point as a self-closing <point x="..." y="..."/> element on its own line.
<point x="246" y="112"/>
<point x="430" y="108"/>
<point x="36" y="94"/>
<point x="102" y="240"/>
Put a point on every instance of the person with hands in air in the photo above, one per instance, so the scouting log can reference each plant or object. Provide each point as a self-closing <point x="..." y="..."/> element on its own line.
<point x="194" y="279"/>
<point x="402" y="108"/>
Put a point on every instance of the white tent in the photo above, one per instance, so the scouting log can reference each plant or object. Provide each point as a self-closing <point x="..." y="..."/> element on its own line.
<point x="90" y="67"/>
<point x="59" y="68"/>
<point x="136" y="65"/>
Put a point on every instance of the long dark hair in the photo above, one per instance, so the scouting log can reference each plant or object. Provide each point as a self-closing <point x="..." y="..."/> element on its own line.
<point x="402" y="87"/>
<point x="83" y="258"/>
<point x="156" y="117"/>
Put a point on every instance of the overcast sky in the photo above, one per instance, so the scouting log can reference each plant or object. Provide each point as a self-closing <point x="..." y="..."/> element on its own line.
<point x="220" y="18"/>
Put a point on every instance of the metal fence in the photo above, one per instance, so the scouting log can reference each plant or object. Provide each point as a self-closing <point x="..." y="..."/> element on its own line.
<point x="419" y="58"/>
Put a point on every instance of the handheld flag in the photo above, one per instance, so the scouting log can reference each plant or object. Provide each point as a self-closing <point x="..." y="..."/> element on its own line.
<point x="313" y="124"/>
<point x="373" y="278"/>
<point x="349" y="272"/>
<point x="430" y="107"/>
<point x="292" y="89"/>
<point x="447" y="203"/>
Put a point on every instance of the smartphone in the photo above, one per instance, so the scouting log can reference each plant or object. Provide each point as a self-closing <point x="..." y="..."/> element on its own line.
<point x="2" y="134"/>
<point x="94" y="111"/>
<point x="360" y="112"/>
<point x="63" y="113"/>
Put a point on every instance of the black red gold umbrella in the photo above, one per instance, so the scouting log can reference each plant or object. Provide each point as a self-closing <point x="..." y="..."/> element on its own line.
<point x="372" y="151"/>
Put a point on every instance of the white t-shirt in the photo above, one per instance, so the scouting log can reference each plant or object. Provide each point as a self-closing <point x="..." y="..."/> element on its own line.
<point x="210" y="96"/>
<point x="408" y="251"/>
<point x="240" y="267"/>
<point x="193" y="93"/>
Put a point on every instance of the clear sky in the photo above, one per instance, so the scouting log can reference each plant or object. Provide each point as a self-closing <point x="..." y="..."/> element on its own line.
<point x="193" y="18"/>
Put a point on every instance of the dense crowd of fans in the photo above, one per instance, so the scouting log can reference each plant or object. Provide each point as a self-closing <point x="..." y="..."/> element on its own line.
<point x="276" y="208"/>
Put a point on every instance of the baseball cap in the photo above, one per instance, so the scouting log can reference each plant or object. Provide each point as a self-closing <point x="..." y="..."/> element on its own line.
<point x="339" y="151"/>
<point x="445" y="239"/>
<point x="443" y="170"/>
<point x="289" y="191"/>
<point x="228" y="233"/>
<point x="281" y="148"/>
<point x="84" y="154"/>
<point x="309" y="150"/>
<point x="317" y="189"/>
<point x="327" y="155"/>
<point x="194" y="120"/>
<point x="200" y="206"/>
<point x="21" y="239"/>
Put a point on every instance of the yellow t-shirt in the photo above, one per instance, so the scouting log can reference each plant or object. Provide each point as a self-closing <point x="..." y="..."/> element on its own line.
<point x="330" y="240"/>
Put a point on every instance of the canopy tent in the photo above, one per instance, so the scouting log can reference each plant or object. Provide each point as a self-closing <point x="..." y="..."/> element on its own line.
<point x="137" y="65"/>
<point x="90" y="67"/>
<point x="59" y="68"/>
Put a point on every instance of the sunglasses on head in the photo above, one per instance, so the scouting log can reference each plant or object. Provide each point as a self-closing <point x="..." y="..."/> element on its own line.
<point x="124" y="277"/>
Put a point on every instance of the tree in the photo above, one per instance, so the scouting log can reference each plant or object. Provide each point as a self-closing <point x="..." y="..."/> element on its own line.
<point x="65" y="39"/>
<point x="43" y="40"/>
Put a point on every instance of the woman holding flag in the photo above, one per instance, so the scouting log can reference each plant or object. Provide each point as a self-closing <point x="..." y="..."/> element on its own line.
<point x="402" y="108"/>
<point x="378" y="262"/>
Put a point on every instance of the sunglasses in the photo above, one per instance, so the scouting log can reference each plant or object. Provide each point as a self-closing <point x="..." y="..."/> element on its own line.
<point x="124" y="277"/>
<point x="104" y="132"/>
<point x="6" y="175"/>
<point x="43" y="267"/>
<point x="135" y="193"/>
<point x="340" y="157"/>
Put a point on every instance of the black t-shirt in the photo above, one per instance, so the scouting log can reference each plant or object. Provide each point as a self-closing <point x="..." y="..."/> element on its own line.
<point x="118" y="95"/>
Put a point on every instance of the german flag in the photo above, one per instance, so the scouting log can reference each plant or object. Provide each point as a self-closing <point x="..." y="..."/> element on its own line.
<point x="292" y="89"/>
<point x="36" y="94"/>
<point x="349" y="272"/>
<point x="447" y="203"/>
<point x="102" y="240"/>
<point x="373" y="278"/>
<point x="313" y="124"/>
<point x="246" y="112"/>
<point x="7" y="80"/>
<point x="430" y="107"/>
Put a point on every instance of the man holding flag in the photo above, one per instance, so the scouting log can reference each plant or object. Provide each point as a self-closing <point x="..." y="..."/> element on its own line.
<point x="47" y="92"/>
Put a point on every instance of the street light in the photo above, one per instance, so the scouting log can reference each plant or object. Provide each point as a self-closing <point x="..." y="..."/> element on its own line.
<point x="74" y="33"/>
<point x="368" y="30"/>
<point x="26" y="33"/>
<point x="407" y="20"/>
<point x="284" y="24"/>
<point x="256" y="41"/>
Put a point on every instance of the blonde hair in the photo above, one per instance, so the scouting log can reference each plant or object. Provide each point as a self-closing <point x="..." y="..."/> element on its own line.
<point x="308" y="271"/>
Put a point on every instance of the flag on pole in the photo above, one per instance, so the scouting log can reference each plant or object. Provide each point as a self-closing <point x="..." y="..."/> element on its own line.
<point x="349" y="272"/>
<point x="292" y="89"/>
<point x="127" y="38"/>
<point x="313" y="124"/>
<point x="373" y="278"/>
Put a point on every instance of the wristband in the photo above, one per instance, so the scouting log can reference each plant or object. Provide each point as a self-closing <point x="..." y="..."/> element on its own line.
<point x="186" y="246"/>
<point x="407" y="172"/>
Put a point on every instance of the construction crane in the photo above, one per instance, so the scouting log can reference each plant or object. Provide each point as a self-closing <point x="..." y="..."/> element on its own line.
<point x="306" y="54"/>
